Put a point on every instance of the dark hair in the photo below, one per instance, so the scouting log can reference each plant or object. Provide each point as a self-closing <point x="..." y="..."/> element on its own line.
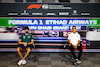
<point x="74" y="26"/>
<point x="27" y="28"/>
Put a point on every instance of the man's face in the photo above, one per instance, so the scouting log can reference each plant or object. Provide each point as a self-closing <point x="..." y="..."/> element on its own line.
<point x="74" y="29"/>
<point x="26" y="30"/>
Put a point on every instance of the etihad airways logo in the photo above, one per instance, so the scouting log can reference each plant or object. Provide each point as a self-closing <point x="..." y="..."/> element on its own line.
<point x="37" y="6"/>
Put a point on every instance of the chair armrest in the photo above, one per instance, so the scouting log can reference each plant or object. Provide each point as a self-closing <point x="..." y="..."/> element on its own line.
<point x="34" y="46"/>
<point x="65" y="45"/>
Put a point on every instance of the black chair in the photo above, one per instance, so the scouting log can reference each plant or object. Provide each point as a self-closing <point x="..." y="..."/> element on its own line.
<point x="35" y="57"/>
<point x="28" y="58"/>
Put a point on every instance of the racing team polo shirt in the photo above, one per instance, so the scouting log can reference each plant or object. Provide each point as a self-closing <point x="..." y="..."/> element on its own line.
<point x="26" y="38"/>
<point x="74" y="38"/>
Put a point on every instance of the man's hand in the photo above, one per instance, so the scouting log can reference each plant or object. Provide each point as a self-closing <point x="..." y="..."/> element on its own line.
<point x="75" y="46"/>
<point x="25" y="43"/>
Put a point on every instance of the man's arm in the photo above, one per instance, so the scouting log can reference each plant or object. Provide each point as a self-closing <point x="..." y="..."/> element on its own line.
<point x="32" y="41"/>
<point x="78" y="42"/>
<point x="69" y="41"/>
<point x="19" y="42"/>
<point x="75" y="46"/>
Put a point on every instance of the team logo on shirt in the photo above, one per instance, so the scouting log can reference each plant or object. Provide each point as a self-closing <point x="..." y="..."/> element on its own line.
<point x="24" y="37"/>
<point x="28" y="36"/>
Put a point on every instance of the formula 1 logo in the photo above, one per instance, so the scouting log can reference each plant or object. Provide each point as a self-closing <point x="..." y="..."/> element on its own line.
<point x="37" y="6"/>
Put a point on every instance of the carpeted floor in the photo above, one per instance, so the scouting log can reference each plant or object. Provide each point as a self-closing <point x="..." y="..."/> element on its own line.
<point x="50" y="60"/>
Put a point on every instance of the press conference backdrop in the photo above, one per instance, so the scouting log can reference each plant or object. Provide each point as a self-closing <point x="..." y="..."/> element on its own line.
<point x="51" y="30"/>
<point x="46" y="32"/>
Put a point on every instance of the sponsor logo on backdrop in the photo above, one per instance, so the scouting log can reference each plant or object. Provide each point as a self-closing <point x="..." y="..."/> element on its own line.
<point x="50" y="14"/>
<point x="24" y="13"/>
<point x="36" y="6"/>
<point x="46" y="6"/>
<point x="52" y="24"/>
<point x="37" y="13"/>
<point x="74" y="12"/>
<point x="63" y="13"/>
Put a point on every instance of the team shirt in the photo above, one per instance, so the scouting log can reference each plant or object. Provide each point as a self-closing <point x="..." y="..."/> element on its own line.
<point x="26" y="38"/>
<point x="74" y="38"/>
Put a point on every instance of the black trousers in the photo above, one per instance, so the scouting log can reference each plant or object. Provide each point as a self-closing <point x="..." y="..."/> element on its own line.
<point x="73" y="53"/>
